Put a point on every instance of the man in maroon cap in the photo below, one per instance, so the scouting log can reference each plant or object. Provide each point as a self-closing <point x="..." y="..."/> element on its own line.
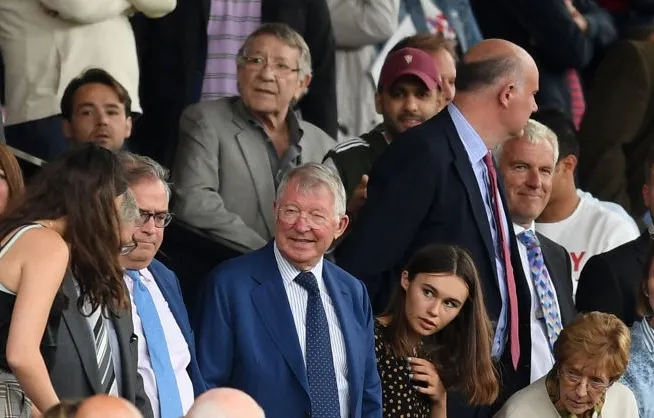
<point x="409" y="92"/>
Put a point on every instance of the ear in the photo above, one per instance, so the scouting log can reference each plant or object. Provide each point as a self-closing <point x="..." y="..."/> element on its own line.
<point x="378" y="103"/>
<point x="342" y="226"/>
<point x="405" y="280"/>
<point x="68" y="129"/>
<point x="570" y="163"/>
<point x="303" y="87"/>
<point x="128" y="127"/>
<point x="506" y="94"/>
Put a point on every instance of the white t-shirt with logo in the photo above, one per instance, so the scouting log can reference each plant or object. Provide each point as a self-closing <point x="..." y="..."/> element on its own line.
<point x="591" y="229"/>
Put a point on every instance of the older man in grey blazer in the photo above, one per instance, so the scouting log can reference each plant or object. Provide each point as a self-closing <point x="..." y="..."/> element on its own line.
<point x="234" y="151"/>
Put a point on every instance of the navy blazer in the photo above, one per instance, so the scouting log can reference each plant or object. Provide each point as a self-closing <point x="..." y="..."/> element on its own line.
<point x="247" y="338"/>
<point x="169" y="286"/>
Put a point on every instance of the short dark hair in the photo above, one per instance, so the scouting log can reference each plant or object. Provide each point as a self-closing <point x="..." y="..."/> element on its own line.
<point x="564" y="128"/>
<point x="428" y="42"/>
<point x="93" y="76"/>
<point x="475" y="74"/>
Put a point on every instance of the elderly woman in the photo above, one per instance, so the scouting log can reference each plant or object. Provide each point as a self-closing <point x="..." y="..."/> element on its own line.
<point x="234" y="151"/>
<point x="590" y="354"/>
<point x="639" y="376"/>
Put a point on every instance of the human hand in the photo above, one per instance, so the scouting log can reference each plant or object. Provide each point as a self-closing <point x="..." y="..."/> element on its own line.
<point x="425" y="371"/>
<point x="577" y="17"/>
<point x="359" y="196"/>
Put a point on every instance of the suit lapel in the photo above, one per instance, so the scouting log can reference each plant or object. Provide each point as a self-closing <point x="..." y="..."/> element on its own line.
<point x="566" y="312"/>
<point x="124" y="330"/>
<point x="351" y="332"/>
<point x="80" y="333"/>
<point x="255" y="153"/>
<point x="271" y="303"/>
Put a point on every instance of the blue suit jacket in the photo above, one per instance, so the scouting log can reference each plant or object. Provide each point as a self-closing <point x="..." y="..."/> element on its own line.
<point x="247" y="338"/>
<point x="169" y="286"/>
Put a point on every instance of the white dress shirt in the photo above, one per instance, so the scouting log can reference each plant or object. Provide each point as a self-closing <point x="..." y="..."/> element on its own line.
<point x="180" y="357"/>
<point x="542" y="359"/>
<point x="297" y="299"/>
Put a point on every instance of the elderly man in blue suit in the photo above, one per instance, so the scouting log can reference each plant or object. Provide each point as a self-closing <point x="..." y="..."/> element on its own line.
<point x="286" y="326"/>
<point x="166" y="348"/>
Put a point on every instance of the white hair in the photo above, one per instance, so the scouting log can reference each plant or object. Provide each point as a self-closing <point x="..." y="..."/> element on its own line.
<point x="535" y="133"/>
<point x="311" y="175"/>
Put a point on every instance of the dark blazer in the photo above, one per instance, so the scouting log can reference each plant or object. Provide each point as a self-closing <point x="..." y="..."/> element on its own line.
<point x="618" y="127"/>
<point x="542" y="27"/>
<point x="169" y="286"/>
<point x="172" y="55"/>
<point x="247" y="338"/>
<point x="609" y="282"/>
<point x="559" y="267"/>
<point x="75" y="373"/>
<point x="423" y="190"/>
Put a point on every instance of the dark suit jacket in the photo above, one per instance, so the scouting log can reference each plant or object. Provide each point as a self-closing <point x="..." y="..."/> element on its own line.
<point x="247" y="338"/>
<point x="559" y="267"/>
<point x="542" y="27"/>
<point x="172" y="54"/>
<point x="75" y="373"/>
<point x="610" y="281"/>
<point x="423" y="190"/>
<point x="618" y="127"/>
<point x="169" y="286"/>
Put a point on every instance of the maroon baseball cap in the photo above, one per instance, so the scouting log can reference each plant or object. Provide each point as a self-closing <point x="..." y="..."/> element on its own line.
<point x="409" y="61"/>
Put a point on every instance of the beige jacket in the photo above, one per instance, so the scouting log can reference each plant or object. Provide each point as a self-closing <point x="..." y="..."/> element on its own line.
<point x="43" y="51"/>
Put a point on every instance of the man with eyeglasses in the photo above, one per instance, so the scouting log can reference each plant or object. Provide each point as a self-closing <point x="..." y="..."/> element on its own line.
<point x="234" y="151"/>
<point x="166" y="349"/>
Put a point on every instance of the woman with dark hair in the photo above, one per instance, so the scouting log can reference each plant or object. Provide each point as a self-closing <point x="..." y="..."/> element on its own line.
<point x="67" y="219"/>
<point x="434" y="336"/>
<point x="11" y="178"/>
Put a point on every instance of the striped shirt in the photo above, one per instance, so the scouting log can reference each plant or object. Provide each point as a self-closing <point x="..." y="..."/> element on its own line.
<point x="230" y="22"/>
<point x="297" y="299"/>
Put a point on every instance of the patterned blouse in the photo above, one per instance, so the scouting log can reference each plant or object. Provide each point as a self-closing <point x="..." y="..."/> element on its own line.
<point x="399" y="398"/>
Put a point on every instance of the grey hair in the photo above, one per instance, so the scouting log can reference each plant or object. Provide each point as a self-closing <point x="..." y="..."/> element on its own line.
<point x="129" y="209"/>
<point x="311" y="175"/>
<point x="285" y="34"/>
<point x="536" y="133"/>
<point x="137" y="168"/>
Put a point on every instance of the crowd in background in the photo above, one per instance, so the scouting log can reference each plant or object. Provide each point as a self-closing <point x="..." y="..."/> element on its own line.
<point x="371" y="208"/>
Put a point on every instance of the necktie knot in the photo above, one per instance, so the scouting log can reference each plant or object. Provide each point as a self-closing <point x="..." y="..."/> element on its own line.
<point x="529" y="239"/>
<point x="308" y="281"/>
<point x="134" y="275"/>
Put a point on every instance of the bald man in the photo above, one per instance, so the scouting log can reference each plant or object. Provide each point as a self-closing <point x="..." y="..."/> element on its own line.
<point x="436" y="185"/>
<point x="225" y="403"/>
<point x="105" y="406"/>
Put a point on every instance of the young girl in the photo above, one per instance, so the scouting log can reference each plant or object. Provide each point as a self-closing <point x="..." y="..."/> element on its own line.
<point x="435" y="335"/>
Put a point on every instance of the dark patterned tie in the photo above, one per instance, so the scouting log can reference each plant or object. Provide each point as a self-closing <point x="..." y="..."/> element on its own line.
<point x="319" y="360"/>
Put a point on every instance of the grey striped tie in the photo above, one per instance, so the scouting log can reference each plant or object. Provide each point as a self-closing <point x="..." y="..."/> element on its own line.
<point x="103" y="355"/>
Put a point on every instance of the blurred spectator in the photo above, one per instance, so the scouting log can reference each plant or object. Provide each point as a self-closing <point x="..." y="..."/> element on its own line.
<point x="104" y="406"/>
<point x="584" y="226"/>
<point x="47" y="43"/>
<point x="609" y="280"/>
<point x="358" y="26"/>
<point x="181" y="57"/>
<point x="639" y="376"/>
<point x="234" y="151"/>
<point x="225" y="403"/>
<point x="97" y="108"/>
<point x="542" y="27"/>
<point x="408" y="94"/>
<point x="617" y="131"/>
<point x="591" y="354"/>
<point x="166" y="359"/>
<point x="630" y="15"/>
<point x="462" y="20"/>
<point x="11" y="179"/>
<point x="65" y="409"/>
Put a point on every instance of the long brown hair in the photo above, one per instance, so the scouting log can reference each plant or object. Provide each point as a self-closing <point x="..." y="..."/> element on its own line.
<point x="461" y="350"/>
<point x="81" y="186"/>
<point x="13" y="174"/>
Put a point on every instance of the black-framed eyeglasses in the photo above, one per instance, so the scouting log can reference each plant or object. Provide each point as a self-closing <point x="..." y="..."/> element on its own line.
<point x="161" y="219"/>
<point x="258" y="63"/>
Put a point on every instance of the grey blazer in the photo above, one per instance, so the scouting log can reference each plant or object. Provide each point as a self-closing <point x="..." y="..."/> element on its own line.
<point x="75" y="372"/>
<point x="222" y="174"/>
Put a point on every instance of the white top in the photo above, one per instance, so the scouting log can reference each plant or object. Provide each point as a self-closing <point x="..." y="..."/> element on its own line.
<point x="533" y="401"/>
<point x="180" y="357"/>
<point x="591" y="229"/>
<point x="612" y="206"/>
<point x="297" y="299"/>
<point x="542" y="359"/>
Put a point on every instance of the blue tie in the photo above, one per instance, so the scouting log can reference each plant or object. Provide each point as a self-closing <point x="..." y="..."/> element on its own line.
<point x="320" y="363"/>
<point x="170" y="405"/>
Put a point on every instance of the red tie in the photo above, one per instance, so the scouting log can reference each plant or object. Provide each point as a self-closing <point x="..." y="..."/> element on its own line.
<point x="514" y="337"/>
<point x="578" y="104"/>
